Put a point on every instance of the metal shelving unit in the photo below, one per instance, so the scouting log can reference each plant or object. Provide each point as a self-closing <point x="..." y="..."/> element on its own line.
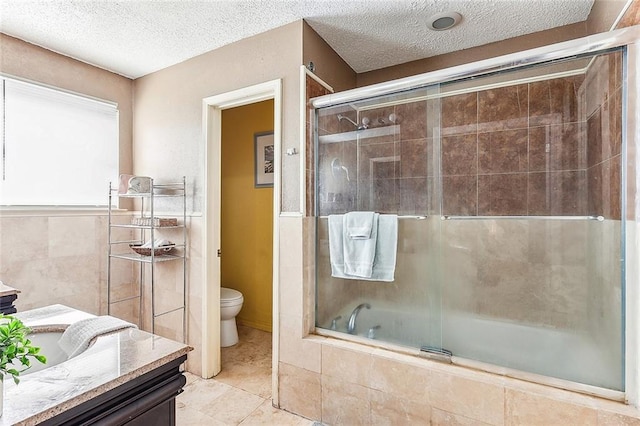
<point x="144" y="233"/>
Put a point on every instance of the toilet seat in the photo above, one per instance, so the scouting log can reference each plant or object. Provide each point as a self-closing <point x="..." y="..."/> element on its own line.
<point x="229" y="296"/>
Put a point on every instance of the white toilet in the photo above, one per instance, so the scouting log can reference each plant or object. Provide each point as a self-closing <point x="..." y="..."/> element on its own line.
<point x="230" y="305"/>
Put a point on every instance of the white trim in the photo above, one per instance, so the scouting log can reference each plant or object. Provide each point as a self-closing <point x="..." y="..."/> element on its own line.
<point x="631" y="134"/>
<point x="304" y="72"/>
<point x="58" y="89"/>
<point x="211" y="118"/>
<point x="291" y="214"/>
<point x="585" y="45"/>
<point x="621" y="15"/>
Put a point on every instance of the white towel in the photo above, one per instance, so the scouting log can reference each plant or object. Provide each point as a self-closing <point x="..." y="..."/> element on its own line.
<point x="384" y="263"/>
<point x="336" y="256"/>
<point x="359" y="225"/>
<point x="139" y="185"/>
<point x="78" y="336"/>
<point x="384" y="266"/>
<point x="359" y="254"/>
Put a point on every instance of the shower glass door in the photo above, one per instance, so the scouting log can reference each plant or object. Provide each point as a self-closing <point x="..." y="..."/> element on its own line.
<point x="508" y="188"/>
<point x="531" y="172"/>
<point x="382" y="155"/>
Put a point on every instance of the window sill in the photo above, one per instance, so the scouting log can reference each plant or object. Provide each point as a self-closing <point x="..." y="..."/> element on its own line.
<point x="16" y="211"/>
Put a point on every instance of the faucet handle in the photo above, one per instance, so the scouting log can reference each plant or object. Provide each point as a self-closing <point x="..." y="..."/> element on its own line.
<point x="371" y="334"/>
<point x="334" y="322"/>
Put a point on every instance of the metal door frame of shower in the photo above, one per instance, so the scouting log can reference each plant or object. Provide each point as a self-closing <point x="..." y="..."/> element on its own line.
<point x="626" y="37"/>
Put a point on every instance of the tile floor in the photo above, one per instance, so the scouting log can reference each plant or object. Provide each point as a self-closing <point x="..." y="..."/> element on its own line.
<point x="241" y="393"/>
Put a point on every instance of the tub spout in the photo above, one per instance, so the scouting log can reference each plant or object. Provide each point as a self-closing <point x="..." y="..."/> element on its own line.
<point x="351" y="325"/>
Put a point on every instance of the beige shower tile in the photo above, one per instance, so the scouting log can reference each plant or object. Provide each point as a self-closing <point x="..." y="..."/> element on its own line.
<point x="444" y="418"/>
<point x="401" y="380"/>
<point x="300" y="391"/>
<point x="345" y="403"/>
<point x="391" y="410"/>
<point x="527" y="408"/>
<point x="295" y="350"/>
<point x="348" y="365"/>
<point x="606" y="418"/>
<point x="474" y="399"/>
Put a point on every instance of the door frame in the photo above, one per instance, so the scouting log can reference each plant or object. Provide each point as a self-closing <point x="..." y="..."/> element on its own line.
<point x="212" y="108"/>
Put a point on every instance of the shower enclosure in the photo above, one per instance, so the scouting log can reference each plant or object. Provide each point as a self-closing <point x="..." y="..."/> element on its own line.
<point x="509" y="190"/>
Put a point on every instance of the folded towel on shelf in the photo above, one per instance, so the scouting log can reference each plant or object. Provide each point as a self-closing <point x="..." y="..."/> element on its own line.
<point x="359" y="254"/>
<point x="139" y="185"/>
<point x="123" y="183"/>
<point x="384" y="256"/>
<point x="359" y="225"/>
<point x="78" y="336"/>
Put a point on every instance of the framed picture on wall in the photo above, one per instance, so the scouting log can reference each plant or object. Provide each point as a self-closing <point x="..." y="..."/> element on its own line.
<point x="264" y="159"/>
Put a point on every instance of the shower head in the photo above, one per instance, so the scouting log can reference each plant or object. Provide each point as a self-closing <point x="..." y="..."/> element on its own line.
<point x="358" y="127"/>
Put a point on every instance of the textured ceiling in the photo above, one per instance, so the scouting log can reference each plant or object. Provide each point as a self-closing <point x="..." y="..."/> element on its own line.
<point x="134" y="38"/>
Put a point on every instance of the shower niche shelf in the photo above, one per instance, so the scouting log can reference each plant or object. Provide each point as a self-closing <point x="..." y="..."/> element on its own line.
<point x="147" y="225"/>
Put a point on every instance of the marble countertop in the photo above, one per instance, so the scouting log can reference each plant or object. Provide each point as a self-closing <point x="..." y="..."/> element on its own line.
<point x="112" y="360"/>
<point x="5" y="290"/>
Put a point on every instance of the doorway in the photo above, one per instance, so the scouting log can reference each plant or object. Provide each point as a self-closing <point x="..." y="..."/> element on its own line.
<point x="246" y="233"/>
<point x="212" y="120"/>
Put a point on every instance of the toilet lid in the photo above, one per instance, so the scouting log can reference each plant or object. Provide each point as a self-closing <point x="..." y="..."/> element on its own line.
<point x="229" y="294"/>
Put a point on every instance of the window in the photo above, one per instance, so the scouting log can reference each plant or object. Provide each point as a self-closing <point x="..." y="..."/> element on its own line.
<point x="58" y="148"/>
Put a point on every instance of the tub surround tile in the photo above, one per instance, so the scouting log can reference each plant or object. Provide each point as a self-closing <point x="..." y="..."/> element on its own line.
<point x="503" y="108"/>
<point x="557" y="147"/>
<point x="557" y="193"/>
<point x="444" y="418"/>
<point x="459" y="114"/>
<point x="526" y="408"/>
<point x="300" y="391"/>
<point x="296" y="350"/>
<point x="413" y="120"/>
<point x="403" y="381"/>
<point x="469" y="398"/>
<point x="387" y="409"/>
<point x="502" y="194"/>
<point x="345" y="403"/>
<point x="460" y="155"/>
<point x="134" y="352"/>
<point x="346" y="365"/>
<point x="503" y="152"/>
<point x="606" y="418"/>
<point x="414" y="158"/>
<point x="460" y="195"/>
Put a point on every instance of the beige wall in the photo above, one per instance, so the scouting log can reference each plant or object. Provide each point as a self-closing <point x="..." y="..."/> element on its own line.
<point x="329" y="66"/>
<point x="56" y="256"/>
<point x="169" y="139"/>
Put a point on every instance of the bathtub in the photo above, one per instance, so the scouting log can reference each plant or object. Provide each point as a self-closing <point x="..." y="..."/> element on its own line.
<point x="512" y="346"/>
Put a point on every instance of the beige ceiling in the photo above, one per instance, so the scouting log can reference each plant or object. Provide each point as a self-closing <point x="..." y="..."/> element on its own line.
<point x="137" y="37"/>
